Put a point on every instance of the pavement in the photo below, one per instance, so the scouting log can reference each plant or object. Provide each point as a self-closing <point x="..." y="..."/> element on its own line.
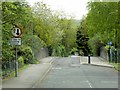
<point x="97" y="61"/>
<point x="30" y="76"/>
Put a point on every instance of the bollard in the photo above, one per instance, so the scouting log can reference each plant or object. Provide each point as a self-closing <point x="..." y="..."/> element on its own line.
<point x="88" y="59"/>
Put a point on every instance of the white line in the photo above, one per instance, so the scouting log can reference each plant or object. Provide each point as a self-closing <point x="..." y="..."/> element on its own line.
<point x="89" y="84"/>
<point x="56" y="68"/>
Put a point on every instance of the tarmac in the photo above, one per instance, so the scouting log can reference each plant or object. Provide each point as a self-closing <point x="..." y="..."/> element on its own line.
<point x="36" y="72"/>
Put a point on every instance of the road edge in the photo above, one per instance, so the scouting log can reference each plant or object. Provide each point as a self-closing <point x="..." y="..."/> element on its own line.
<point x="44" y="74"/>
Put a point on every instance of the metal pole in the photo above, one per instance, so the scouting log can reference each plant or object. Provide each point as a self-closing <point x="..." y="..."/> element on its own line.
<point x="109" y="54"/>
<point x="32" y="42"/>
<point x="16" y="64"/>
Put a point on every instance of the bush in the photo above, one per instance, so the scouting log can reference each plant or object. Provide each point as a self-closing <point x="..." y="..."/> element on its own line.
<point x="36" y="61"/>
<point x="27" y="55"/>
<point x="95" y="44"/>
<point x="21" y="61"/>
<point x="73" y="50"/>
<point x="59" y="51"/>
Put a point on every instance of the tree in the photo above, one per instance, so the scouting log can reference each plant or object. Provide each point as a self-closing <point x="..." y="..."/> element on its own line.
<point x="102" y="22"/>
<point x="14" y="14"/>
<point x="53" y="29"/>
<point x="82" y="38"/>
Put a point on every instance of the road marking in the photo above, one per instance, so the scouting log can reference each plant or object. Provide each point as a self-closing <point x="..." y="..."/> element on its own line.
<point x="56" y="68"/>
<point x="89" y="84"/>
<point x="45" y="63"/>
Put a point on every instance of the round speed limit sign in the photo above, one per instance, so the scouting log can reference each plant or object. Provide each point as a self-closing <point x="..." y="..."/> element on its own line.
<point x="16" y="32"/>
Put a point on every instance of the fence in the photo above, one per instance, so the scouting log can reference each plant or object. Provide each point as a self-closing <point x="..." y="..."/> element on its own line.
<point x="111" y="55"/>
<point x="114" y="55"/>
<point x="8" y="67"/>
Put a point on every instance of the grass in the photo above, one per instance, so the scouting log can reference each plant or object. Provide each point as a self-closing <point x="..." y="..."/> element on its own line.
<point x="116" y="65"/>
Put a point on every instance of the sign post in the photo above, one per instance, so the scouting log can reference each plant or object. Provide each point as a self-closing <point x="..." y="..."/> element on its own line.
<point x="16" y="63"/>
<point x="110" y="51"/>
<point x="16" y="41"/>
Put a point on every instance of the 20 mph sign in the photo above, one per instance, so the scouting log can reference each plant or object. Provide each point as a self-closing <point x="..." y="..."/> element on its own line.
<point x="16" y="32"/>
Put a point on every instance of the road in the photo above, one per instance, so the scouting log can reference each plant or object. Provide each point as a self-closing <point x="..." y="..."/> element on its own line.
<point x="67" y="72"/>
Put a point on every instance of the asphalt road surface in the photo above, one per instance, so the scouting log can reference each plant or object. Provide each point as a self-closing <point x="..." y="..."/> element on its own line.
<point x="67" y="72"/>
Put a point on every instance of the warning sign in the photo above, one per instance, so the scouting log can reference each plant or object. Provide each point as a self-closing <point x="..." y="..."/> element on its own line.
<point x="16" y="32"/>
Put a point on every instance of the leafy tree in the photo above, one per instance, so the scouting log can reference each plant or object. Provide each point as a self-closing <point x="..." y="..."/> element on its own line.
<point x="46" y="24"/>
<point x="14" y="14"/>
<point x="53" y="29"/>
<point x="102" y="21"/>
<point x="82" y="38"/>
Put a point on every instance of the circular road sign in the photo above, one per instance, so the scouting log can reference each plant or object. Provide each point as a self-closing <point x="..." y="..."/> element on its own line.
<point x="16" y="32"/>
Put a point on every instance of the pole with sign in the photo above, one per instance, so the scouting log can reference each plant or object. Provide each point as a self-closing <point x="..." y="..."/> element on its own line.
<point x="16" y="41"/>
<point x="110" y="51"/>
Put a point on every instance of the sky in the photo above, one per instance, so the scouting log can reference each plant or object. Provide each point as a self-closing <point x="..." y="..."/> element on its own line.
<point x="75" y="8"/>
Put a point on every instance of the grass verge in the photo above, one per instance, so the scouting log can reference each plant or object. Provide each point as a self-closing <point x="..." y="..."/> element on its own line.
<point x="116" y="65"/>
<point x="13" y="73"/>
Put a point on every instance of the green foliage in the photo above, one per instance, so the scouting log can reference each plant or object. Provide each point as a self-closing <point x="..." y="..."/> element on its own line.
<point x="12" y="13"/>
<point x="59" y="51"/>
<point x="102" y="24"/>
<point x="73" y="50"/>
<point x="82" y="38"/>
<point x="36" y="61"/>
<point x="27" y="54"/>
<point x="41" y="28"/>
<point x="116" y="65"/>
<point x="52" y="30"/>
<point x="21" y="60"/>
<point x="95" y="45"/>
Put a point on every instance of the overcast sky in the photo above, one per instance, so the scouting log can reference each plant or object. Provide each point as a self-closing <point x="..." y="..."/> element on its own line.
<point x="76" y="8"/>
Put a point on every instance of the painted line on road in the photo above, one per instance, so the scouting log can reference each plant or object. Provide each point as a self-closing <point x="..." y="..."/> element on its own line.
<point x="56" y="68"/>
<point x="89" y="84"/>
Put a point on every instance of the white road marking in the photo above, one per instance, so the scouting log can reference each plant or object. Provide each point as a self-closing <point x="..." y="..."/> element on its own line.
<point x="57" y="68"/>
<point x="44" y="63"/>
<point x="89" y="84"/>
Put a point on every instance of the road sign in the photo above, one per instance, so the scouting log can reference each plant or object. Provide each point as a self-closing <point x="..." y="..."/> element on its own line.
<point x="109" y="43"/>
<point x="16" y="32"/>
<point x="16" y="41"/>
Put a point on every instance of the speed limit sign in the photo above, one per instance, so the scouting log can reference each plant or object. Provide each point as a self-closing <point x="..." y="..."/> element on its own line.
<point x="16" y="32"/>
